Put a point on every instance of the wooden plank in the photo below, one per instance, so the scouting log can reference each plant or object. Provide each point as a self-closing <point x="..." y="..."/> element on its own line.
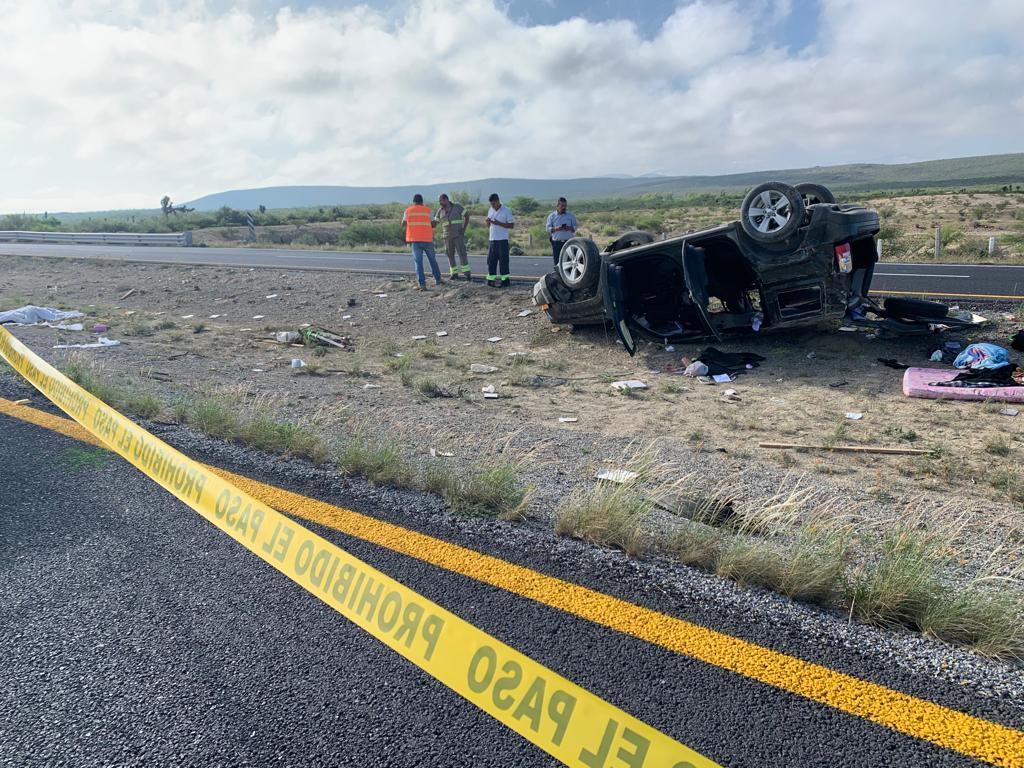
<point x="851" y="449"/>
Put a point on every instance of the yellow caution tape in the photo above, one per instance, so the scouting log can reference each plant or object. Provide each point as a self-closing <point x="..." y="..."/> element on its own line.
<point x="566" y="721"/>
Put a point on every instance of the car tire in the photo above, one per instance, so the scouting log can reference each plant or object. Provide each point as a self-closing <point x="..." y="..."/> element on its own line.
<point x="630" y="240"/>
<point x="579" y="264"/>
<point x="915" y="308"/>
<point x="771" y="212"/>
<point x="813" y="194"/>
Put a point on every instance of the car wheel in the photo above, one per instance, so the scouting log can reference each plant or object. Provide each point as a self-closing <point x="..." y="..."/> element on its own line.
<point x="771" y="212"/>
<point x="579" y="264"/>
<point x="813" y="194"/>
<point x="630" y="240"/>
<point x="915" y="308"/>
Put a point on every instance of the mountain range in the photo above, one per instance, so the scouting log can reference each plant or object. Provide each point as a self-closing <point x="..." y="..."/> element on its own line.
<point x="964" y="171"/>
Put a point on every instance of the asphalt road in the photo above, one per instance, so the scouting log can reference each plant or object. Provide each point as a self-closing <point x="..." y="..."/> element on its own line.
<point x="134" y="633"/>
<point x="940" y="280"/>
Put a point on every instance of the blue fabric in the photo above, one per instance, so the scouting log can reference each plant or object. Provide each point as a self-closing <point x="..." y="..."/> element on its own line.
<point x="982" y="356"/>
<point x="419" y="250"/>
<point x="556" y="219"/>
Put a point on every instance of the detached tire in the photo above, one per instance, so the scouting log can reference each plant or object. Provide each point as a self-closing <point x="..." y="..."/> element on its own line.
<point x="916" y="308"/>
<point x="813" y="194"/>
<point x="630" y="240"/>
<point x="579" y="264"/>
<point x="771" y="212"/>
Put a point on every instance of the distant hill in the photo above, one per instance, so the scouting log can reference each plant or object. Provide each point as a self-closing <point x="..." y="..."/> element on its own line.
<point x="963" y="171"/>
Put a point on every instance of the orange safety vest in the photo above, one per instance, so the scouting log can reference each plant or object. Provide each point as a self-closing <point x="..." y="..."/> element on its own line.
<point x="417" y="225"/>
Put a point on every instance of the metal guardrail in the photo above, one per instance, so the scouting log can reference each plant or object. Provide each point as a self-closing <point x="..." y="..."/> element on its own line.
<point x="98" y="238"/>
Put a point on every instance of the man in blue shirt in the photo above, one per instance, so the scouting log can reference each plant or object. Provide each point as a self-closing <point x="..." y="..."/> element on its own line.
<point x="561" y="226"/>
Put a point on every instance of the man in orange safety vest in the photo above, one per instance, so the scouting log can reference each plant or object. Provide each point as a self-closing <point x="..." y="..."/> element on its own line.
<point x="420" y="234"/>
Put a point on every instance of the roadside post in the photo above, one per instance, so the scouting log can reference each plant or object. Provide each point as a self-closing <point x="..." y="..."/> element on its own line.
<point x="938" y="242"/>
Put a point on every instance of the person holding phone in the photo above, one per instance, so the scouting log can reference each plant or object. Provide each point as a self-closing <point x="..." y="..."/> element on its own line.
<point x="561" y="226"/>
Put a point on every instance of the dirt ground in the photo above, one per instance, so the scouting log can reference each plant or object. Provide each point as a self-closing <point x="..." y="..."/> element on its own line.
<point x="192" y="330"/>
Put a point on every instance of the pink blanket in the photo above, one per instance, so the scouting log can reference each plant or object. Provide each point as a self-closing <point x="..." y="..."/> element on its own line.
<point x="916" y="384"/>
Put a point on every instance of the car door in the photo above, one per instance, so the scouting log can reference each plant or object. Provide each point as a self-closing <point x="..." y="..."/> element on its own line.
<point x="697" y="284"/>
<point x="615" y="300"/>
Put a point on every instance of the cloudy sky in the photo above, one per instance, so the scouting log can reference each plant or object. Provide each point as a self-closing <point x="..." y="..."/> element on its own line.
<point x="114" y="103"/>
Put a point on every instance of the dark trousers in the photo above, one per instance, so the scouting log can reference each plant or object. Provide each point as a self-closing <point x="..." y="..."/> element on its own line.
<point x="556" y="249"/>
<point x="497" y="261"/>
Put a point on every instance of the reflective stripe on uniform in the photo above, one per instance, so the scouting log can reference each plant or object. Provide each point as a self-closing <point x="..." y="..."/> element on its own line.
<point x="464" y="268"/>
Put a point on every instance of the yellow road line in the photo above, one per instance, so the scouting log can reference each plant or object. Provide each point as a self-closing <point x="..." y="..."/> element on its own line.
<point x="922" y="719"/>
<point x="950" y="295"/>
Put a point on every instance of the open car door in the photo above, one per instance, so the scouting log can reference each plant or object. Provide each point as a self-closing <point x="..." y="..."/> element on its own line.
<point x="697" y="283"/>
<point x="615" y="301"/>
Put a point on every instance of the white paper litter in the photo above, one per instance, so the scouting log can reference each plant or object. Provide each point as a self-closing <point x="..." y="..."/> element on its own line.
<point x="271" y="295"/>
<point x="258" y="317"/>
<point x="721" y="378"/>
<point x="494" y="339"/>
<point x="525" y="312"/>
<point x="629" y="384"/>
<point x="567" y="419"/>
<point x="1009" y="411"/>
<point x="346" y="317"/>
<point x="31" y="315"/>
<point x="214" y="317"/>
<point x="100" y="343"/>
<point x="488" y="390"/>
<point x="439" y="334"/>
<point x="854" y="416"/>
<point x="382" y="295"/>
<point x="187" y="317"/>
<point x="847" y="328"/>
<point x="617" y="475"/>
<point x="418" y="338"/>
<point x="444" y="454"/>
<point x="371" y="386"/>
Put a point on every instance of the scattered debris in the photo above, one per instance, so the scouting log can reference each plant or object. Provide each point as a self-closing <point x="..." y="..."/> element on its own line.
<point x="439" y="334"/>
<point x="525" y="313"/>
<point x="321" y="337"/>
<point x="418" y="338"/>
<point x="23" y="401"/>
<point x="567" y="419"/>
<point x="730" y="396"/>
<point x="371" y="386"/>
<point x="480" y="368"/>
<point x="258" y="317"/>
<point x="670" y="348"/>
<point x="936" y="356"/>
<point x="271" y="295"/>
<point x="1009" y="412"/>
<point x="287" y="337"/>
<point x="214" y="317"/>
<point x="126" y="294"/>
<point x="854" y="415"/>
<point x="695" y="369"/>
<point x="443" y="454"/>
<point x="488" y="390"/>
<point x="546" y="381"/>
<point x="848" y="329"/>
<point x="723" y="378"/>
<point x="187" y="317"/>
<point x="811" y="355"/>
<point x="850" y="449"/>
<point x="891" y="362"/>
<point x="100" y="343"/>
<point x="297" y="363"/>
<point x="628" y="384"/>
<point x="617" y="475"/>
<point x="836" y="384"/>
<point x="494" y="339"/>
<point x="351" y="303"/>
<point x="382" y="295"/>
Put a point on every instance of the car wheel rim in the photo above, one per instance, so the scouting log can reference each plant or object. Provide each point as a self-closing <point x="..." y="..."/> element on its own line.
<point x="573" y="263"/>
<point x="769" y="212"/>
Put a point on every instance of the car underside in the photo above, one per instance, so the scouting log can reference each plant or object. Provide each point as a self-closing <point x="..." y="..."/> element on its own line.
<point x="792" y="259"/>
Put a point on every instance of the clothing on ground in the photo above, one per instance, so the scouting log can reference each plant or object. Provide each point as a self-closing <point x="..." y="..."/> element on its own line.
<point x="719" y="362"/>
<point x="979" y="356"/>
<point x="504" y="215"/>
<point x="1007" y="375"/>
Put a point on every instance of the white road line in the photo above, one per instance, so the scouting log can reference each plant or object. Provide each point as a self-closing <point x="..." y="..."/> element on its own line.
<point x="323" y="256"/>
<point x="915" y="274"/>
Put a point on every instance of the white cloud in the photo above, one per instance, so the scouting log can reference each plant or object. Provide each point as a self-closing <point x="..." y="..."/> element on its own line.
<point x="113" y="104"/>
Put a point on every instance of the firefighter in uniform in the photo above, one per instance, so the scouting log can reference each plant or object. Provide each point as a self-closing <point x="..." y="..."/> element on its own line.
<point x="454" y="219"/>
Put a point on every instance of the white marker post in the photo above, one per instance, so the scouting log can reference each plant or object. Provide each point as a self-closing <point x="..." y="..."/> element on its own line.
<point x="938" y="242"/>
<point x="993" y="246"/>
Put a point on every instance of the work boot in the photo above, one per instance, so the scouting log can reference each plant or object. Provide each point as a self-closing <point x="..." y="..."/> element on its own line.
<point x="438" y="281"/>
<point x="506" y="283"/>
<point x="469" y="278"/>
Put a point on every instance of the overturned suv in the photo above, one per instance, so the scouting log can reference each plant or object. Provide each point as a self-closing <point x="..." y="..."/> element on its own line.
<point x="794" y="258"/>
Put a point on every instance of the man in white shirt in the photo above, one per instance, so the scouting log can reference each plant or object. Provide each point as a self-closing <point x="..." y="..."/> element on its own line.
<point x="500" y="222"/>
